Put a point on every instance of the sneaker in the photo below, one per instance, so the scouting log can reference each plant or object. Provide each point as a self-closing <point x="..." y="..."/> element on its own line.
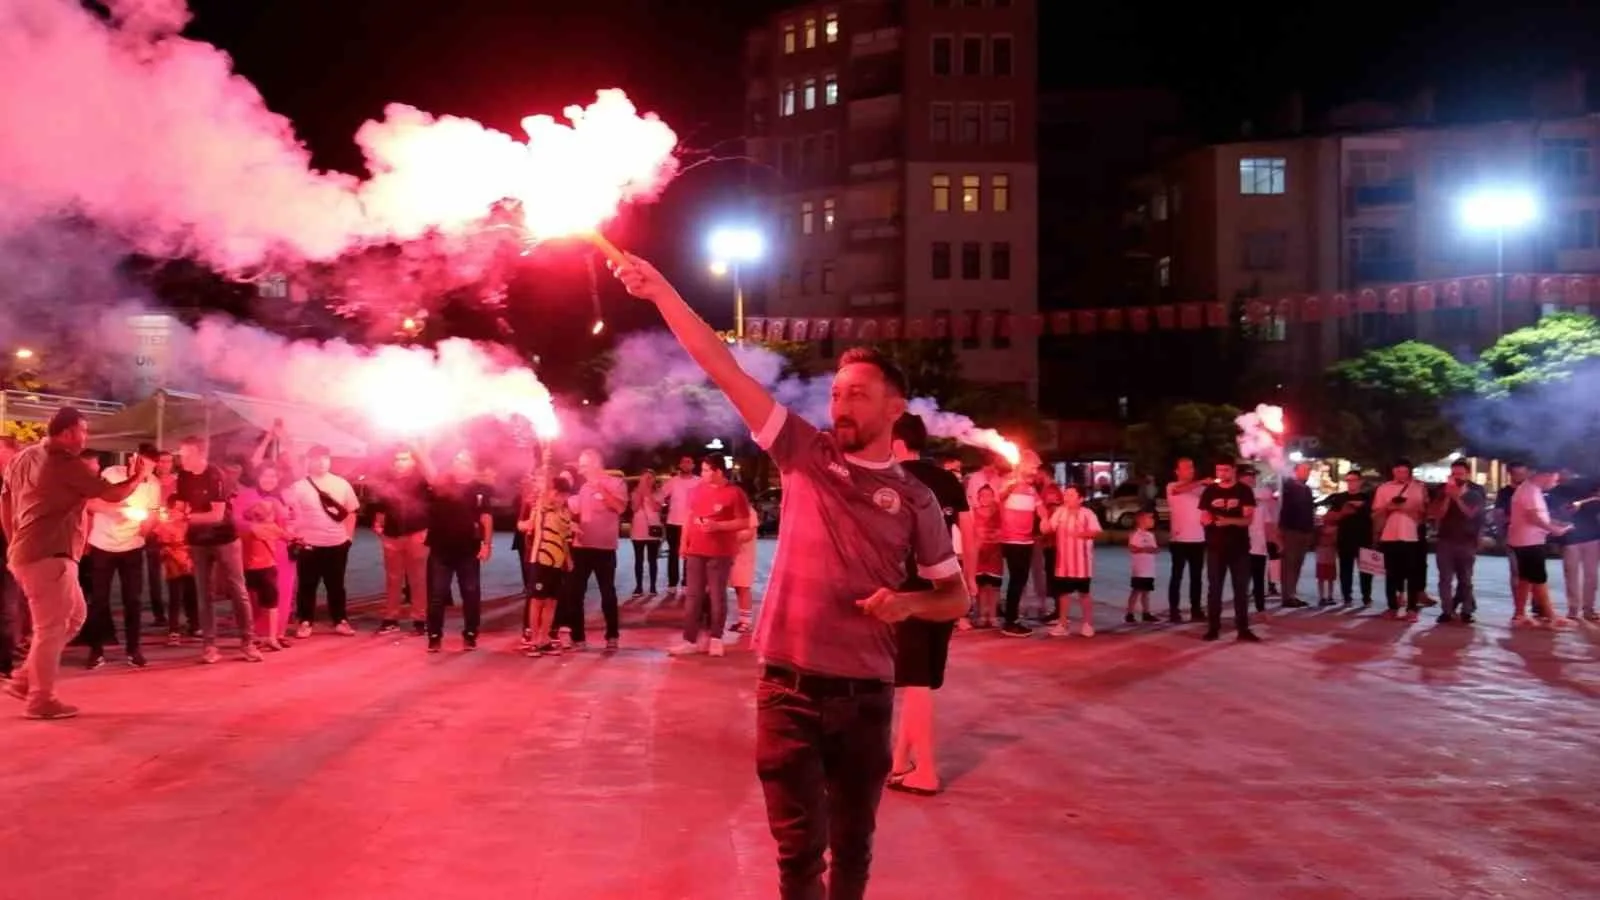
<point x="1150" y="618"/>
<point x="1086" y="630"/>
<point x="637" y="593"/>
<point x="137" y="660"/>
<point x="389" y="626"/>
<point x="250" y="653"/>
<point x="1130" y="619"/>
<point x="1050" y="618"/>
<point x="575" y="646"/>
<point x="1016" y="630"/>
<point x="715" y="649"/>
<point x="963" y="624"/>
<point x="1059" y="629"/>
<point x="612" y="644"/>
<point x="469" y="641"/>
<point x="550" y="649"/>
<point x="343" y="629"/>
<point x="1445" y="618"/>
<point x="50" y="709"/>
<point x="419" y="629"/>
<point x="1294" y="603"/>
<point x="683" y="648"/>
<point x="274" y="644"/>
<point x="532" y="652"/>
<point x="526" y="643"/>
<point x="97" y="658"/>
<point x="1466" y="618"/>
<point x="210" y="655"/>
<point x="1211" y="635"/>
<point x="1249" y="637"/>
<point x="1175" y="618"/>
<point x="304" y="631"/>
<point x="174" y="639"/>
<point x="435" y="644"/>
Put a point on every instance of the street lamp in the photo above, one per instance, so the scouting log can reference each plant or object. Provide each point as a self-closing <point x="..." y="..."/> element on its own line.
<point x="1499" y="210"/>
<point x="24" y="354"/>
<point x="731" y="248"/>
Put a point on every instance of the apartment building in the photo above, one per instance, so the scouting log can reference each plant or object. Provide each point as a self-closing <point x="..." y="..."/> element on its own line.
<point x="898" y="170"/>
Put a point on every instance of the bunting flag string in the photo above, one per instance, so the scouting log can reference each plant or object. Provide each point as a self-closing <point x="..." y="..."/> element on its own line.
<point x="1424" y="297"/>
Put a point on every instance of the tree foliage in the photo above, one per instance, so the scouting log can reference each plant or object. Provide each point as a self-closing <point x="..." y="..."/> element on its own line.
<point x="1393" y="402"/>
<point x="1546" y="351"/>
<point x="1537" y="388"/>
<point x="1204" y="432"/>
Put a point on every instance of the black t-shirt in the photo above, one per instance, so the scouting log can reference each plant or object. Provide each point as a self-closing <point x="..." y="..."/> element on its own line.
<point x="1227" y="502"/>
<point x="1355" y="524"/>
<point x="454" y="509"/>
<point x="202" y="492"/>
<point x="952" y="499"/>
<point x="1585" y="519"/>
<point x="404" y="505"/>
<point x="1456" y="525"/>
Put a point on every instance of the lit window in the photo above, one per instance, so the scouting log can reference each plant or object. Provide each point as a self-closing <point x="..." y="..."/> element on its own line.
<point x="941" y="193"/>
<point x="830" y="90"/>
<point x="788" y="39"/>
<point x="830" y="27"/>
<point x="811" y="33"/>
<point x="971" y="188"/>
<point x="1000" y="190"/>
<point x="810" y="100"/>
<point x="1262" y="176"/>
<point x="1164" y="271"/>
<point x="808" y="217"/>
<point x="786" y="99"/>
<point x="827" y="214"/>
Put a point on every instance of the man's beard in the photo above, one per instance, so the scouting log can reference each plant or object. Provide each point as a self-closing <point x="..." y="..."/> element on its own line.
<point x="851" y="437"/>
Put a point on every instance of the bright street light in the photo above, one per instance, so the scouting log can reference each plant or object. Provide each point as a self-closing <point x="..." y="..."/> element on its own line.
<point x="1497" y="210"/>
<point x="719" y="268"/>
<point x="730" y="248"/>
<point x="24" y="354"/>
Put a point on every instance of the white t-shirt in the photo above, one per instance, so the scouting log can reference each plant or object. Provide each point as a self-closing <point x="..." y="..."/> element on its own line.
<point x="646" y="514"/>
<point x="1401" y="525"/>
<point x="678" y="489"/>
<point x="1142" y="564"/>
<point x="308" y="521"/>
<point x="1530" y="517"/>
<point x="1184" y="509"/>
<point x="117" y="532"/>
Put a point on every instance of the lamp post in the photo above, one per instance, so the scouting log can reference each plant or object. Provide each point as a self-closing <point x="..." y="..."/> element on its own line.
<point x="731" y="248"/>
<point x="1497" y="211"/>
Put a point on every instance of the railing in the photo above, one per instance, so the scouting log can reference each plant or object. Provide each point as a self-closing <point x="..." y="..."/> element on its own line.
<point x="874" y="229"/>
<point x="29" y="406"/>
<point x="1393" y="193"/>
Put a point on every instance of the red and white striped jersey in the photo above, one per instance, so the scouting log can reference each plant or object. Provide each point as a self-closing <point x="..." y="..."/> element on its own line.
<point x="1075" y="530"/>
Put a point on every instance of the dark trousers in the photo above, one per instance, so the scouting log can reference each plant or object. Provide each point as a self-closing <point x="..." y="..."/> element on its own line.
<point x="1019" y="563"/>
<point x="1403" y="571"/>
<point x="325" y="566"/>
<point x="602" y="564"/>
<point x="10" y="598"/>
<point x="1230" y="564"/>
<point x="1258" y="580"/>
<point x="128" y="569"/>
<point x="822" y="757"/>
<point x="643" y="552"/>
<point x="183" y="596"/>
<point x="465" y="571"/>
<point x="154" y="580"/>
<point x="674" y="556"/>
<point x="1347" y="570"/>
<point x="1189" y="555"/>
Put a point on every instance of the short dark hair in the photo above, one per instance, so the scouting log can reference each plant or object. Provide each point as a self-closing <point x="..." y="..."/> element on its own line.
<point x="893" y="375"/>
<point x="715" y="462"/>
<point x="65" y="419"/>
<point x="910" y="430"/>
<point x="149" y="451"/>
<point x="1460" y="463"/>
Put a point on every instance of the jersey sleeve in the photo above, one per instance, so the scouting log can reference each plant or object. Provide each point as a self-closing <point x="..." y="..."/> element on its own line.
<point x="930" y="543"/>
<point x="790" y="440"/>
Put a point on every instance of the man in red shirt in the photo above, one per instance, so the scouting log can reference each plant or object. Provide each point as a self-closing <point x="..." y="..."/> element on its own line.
<point x="718" y="511"/>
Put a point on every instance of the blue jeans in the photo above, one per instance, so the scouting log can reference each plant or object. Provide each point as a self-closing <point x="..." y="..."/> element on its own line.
<point x="1455" y="560"/>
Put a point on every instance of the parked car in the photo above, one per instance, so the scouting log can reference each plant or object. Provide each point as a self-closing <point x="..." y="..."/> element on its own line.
<point x="1119" y="512"/>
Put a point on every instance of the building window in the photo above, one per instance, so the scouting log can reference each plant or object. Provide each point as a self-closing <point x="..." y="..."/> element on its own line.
<point x="786" y="99"/>
<point x="943" y="50"/>
<point x="1000" y="261"/>
<point x="830" y="89"/>
<point x="808" y="217"/>
<point x="1371" y="168"/>
<point x="1000" y="193"/>
<point x="1000" y="123"/>
<point x="830" y="28"/>
<point x="970" y="193"/>
<point x="1000" y="55"/>
<point x="940" y="263"/>
<point x="830" y="152"/>
<point x="1564" y="157"/>
<point x="970" y="130"/>
<point x="811" y="33"/>
<point x="1164" y="272"/>
<point x="828" y="284"/>
<point x="808" y="155"/>
<point x="941" y="193"/>
<point x="810" y="97"/>
<point x="939" y="125"/>
<point x="827" y="214"/>
<point x="1577" y="230"/>
<point x="785" y="221"/>
<point x="972" y="56"/>
<point x="972" y="339"/>
<point x="971" y="261"/>
<point x="788" y="39"/>
<point x="807" y="280"/>
<point x="1263" y="251"/>
<point x="1262" y="175"/>
<point x="786" y="159"/>
<point x="1002" y="330"/>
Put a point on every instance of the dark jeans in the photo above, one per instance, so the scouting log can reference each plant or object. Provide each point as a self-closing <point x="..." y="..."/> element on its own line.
<point x="1403" y="572"/>
<point x="823" y="754"/>
<point x="326" y="566"/>
<point x="645" y="551"/>
<point x="129" y="569"/>
<point x="674" y="554"/>
<point x="1232" y="564"/>
<point x="464" y="570"/>
<point x="10" y="598"/>
<point x="183" y="596"/>
<point x="602" y="564"/>
<point x="1258" y="580"/>
<point x="1189" y="555"/>
<point x="154" y="580"/>
<point x="1347" y="572"/>
<point x="1019" y="563"/>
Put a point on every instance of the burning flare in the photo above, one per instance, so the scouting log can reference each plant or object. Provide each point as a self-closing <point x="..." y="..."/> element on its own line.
<point x="1261" y="434"/>
<point x="135" y="513"/>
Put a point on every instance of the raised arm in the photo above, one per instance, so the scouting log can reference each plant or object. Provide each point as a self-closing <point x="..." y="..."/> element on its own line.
<point x="708" y="350"/>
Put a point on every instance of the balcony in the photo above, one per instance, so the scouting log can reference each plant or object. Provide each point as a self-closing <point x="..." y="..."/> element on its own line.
<point x="866" y="230"/>
<point x="1382" y="271"/>
<point x="877" y="41"/>
<point x="1398" y="192"/>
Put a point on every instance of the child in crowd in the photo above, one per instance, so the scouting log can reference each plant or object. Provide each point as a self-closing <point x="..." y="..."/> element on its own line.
<point x="1142" y="551"/>
<point x="1327" y="562"/>
<point x="547" y="522"/>
<point x="1074" y="526"/>
<point x="177" y="568"/>
<point x="991" y="561"/>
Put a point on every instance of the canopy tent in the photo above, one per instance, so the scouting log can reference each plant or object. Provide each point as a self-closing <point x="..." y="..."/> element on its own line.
<point x="166" y="417"/>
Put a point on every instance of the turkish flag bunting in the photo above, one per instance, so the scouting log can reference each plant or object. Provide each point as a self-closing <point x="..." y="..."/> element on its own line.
<point x="1061" y="323"/>
<point x="1216" y="315"/>
<point x="1310" y="309"/>
<point x="1034" y="324"/>
<point x="1578" y="290"/>
<point x="985" y="325"/>
<point x="1481" y="290"/>
<point x="1520" y="289"/>
<point x="1255" y="312"/>
<point x="1339" y="306"/>
<point x="775" y="329"/>
<point x="941" y="327"/>
<point x="1394" y="301"/>
<point x="890" y="327"/>
<point x="1453" y="291"/>
<point x="867" y="330"/>
<point x="1422" y="298"/>
<point x="1285" y="309"/>
<point x="1551" y="290"/>
<point x="820" y="329"/>
<point x="1087" y="321"/>
<point x="844" y="329"/>
<point x="1002" y="325"/>
<point x="965" y="324"/>
<point x="1189" y="315"/>
<point x="755" y="328"/>
<point x="1166" y="316"/>
<point x="1139" y="319"/>
<point x="1111" y="319"/>
<point x="916" y="329"/>
<point x="1367" y="300"/>
<point x="799" y="329"/>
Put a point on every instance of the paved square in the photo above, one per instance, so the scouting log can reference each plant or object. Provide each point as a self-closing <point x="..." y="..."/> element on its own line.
<point x="1347" y="756"/>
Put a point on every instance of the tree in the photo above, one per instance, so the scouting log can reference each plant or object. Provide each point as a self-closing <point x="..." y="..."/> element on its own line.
<point x="1393" y="402"/>
<point x="1548" y="350"/>
<point x="1536" y="386"/>
<point x="1204" y="432"/>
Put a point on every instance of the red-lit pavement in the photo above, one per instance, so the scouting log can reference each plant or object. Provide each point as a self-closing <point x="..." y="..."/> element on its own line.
<point x="1346" y="757"/>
